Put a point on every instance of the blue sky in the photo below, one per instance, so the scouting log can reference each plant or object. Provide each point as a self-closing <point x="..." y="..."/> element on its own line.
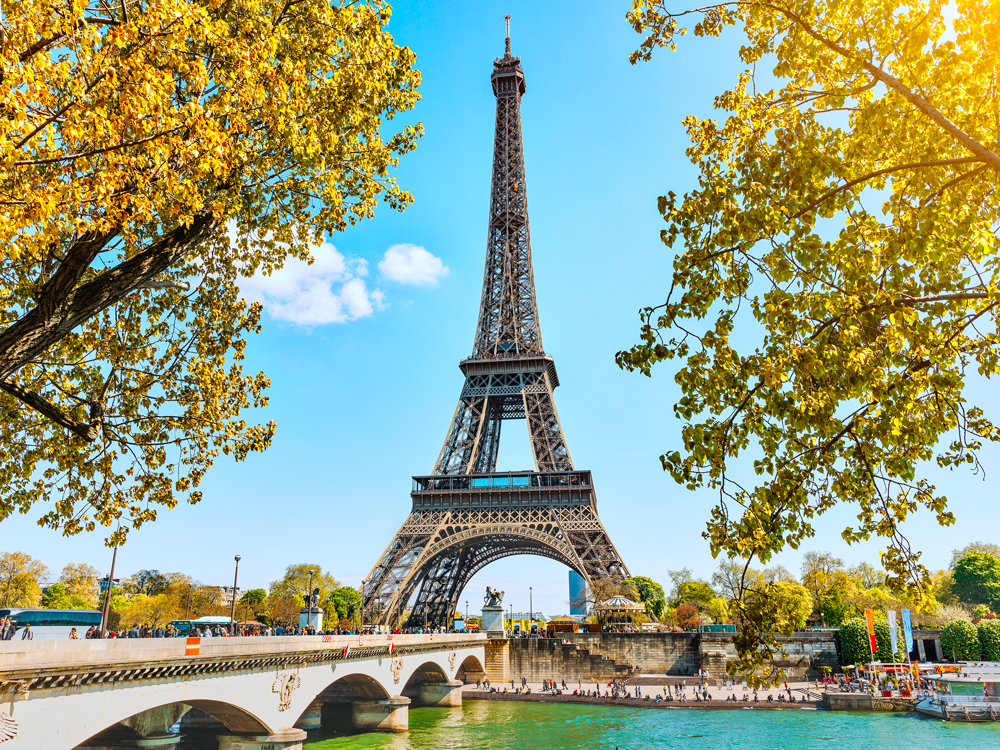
<point x="365" y="383"/>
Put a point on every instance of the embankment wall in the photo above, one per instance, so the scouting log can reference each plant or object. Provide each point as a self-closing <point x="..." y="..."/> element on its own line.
<point x="659" y="653"/>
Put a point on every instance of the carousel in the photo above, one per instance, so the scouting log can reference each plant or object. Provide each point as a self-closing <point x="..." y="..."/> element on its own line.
<point x="620" y="614"/>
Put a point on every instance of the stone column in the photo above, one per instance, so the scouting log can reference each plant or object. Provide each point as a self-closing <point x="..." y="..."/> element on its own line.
<point x="289" y="739"/>
<point x="390" y="715"/>
<point x="713" y="657"/>
<point x="312" y="717"/>
<point x="447" y="694"/>
<point x="497" y="661"/>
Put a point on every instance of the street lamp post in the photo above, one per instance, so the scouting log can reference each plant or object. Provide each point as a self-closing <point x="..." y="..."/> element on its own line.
<point x="531" y="606"/>
<point x="364" y="586"/>
<point x="466" y="623"/>
<point x="309" y="600"/>
<point x="232" y="615"/>
<point x="106" y="609"/>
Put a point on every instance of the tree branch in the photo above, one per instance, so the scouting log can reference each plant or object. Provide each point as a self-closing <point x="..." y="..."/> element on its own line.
<point x="88" y="432"/>
<point x="904" y="302"/>
<point x="61" y="308"/>
<point x="880" y="172"/>
<point x="984" y="154"/>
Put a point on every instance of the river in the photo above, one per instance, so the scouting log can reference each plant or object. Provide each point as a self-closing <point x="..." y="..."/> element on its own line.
<point x="485" y="725"/>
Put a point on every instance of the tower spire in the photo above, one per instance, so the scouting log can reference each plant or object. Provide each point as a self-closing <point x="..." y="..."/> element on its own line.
<point x="507" y="52"/>
<point x="508" y="315"/>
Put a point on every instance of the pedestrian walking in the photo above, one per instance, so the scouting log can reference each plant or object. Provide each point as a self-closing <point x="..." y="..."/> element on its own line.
<point x="26" y="634"/>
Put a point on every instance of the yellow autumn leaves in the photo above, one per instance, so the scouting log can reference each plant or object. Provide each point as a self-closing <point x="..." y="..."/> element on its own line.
<point x="133" y="134"/>
<point x="854" y="213"/>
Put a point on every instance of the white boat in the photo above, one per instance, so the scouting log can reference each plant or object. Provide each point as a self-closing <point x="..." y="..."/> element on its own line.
<point x="962" y="697"/>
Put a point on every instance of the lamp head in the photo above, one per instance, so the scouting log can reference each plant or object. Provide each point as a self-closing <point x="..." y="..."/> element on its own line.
<point x="237" y="558"/>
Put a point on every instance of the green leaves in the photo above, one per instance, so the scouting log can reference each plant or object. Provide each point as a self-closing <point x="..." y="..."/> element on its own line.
<point x="850" y="217"/>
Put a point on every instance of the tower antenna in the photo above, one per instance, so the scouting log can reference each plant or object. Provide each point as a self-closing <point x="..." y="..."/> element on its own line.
<point x="507" y="19"/>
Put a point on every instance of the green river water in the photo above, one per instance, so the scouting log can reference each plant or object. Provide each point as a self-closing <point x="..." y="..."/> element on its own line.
<point x="484" y="725"/>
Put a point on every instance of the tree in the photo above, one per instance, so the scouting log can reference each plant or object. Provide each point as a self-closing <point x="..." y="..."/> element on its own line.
<point x="697" y="593"/>
<point x="294" y="585"/>
<point x="346" y="602"/>
<point x="81" y="580"/>
<point x="977" y="579"/>
<point x="735" y="576"/>
<point x="253" y="597"/>
<point x="829" y="584"/>
<point x="677" y="578"/>
<point x="989" y="639"/>
<point x="855" y="644"/>
<point x="147" y="582"/>
<point x="687" y="616"/>
<point x="942" y="587"/>
<point x="718" y="609"/>
<point x="987" y="547"/>
<point x="599" y="590"/>
<point x="831" y="298"/>
<point x="960" y="641"/>
<point x="650" y="593"/>
<point x="155" y="154"/>
<point x="20" y="579"/>
<point x="56" y="596"/>
<point x="867" y="576"/>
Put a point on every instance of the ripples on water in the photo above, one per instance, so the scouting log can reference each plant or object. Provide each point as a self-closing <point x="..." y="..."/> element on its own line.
<point x="484" y="725"/>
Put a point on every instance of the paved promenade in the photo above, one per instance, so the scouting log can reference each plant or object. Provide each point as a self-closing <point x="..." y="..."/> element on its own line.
<point x="806" y="695"/>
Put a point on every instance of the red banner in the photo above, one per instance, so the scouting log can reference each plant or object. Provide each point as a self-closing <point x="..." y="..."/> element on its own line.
<point x="870" y="619"/>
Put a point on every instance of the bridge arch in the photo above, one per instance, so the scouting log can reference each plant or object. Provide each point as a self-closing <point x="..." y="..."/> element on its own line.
<point x="353" y="685"/>
<point x="159" y="718"/>
<point x="470" y="668"/>
<point x="428" y="672"/>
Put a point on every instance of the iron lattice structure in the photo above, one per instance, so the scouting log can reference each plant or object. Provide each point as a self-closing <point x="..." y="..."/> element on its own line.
<point x="466" y="515"/>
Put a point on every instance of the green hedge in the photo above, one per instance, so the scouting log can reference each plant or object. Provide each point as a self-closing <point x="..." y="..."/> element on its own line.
<point x="960" y="641"/>
<point x="989" y="639"/>
<point x="854" y="641"/>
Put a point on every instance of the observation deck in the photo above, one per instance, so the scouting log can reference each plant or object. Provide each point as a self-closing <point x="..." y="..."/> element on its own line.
<point x="511" y="489"/>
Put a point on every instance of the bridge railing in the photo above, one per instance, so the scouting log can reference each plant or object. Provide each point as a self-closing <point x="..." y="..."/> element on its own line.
<point x="25" y="655"/>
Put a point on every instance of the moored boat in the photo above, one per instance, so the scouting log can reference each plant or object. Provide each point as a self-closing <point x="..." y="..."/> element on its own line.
<point x="962" y="697"/>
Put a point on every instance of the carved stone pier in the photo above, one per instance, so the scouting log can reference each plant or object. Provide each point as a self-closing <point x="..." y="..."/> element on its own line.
<point x="390" y="715"/>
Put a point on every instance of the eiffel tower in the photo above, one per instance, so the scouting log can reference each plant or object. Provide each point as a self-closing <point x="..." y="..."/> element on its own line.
<point x="466" y="514"/>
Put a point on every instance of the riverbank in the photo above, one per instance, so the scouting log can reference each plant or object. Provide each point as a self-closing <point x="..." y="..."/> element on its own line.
<point x="485" y="695"/>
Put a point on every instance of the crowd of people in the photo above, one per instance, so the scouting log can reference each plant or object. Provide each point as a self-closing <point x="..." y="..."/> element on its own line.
<point x="696" y="691"/>
<point x="221" y="630"/>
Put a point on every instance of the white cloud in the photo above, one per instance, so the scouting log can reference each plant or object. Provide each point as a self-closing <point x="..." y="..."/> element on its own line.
<point x="411" y="264"/>
<point x="327" y="291"/>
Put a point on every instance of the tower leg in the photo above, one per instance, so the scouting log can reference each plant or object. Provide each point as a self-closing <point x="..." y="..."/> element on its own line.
<point x="547" y="442"/>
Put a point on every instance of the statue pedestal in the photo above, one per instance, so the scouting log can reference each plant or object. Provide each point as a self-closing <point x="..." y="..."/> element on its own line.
<point x="492" y="622"/>
<point x="311" y="618"/>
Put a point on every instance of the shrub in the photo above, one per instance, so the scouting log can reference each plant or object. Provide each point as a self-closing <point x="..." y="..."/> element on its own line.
<point x="687" y="617"/>
<point x="989" y="639"/>
<point x="960" y="641"/>
<point x="982" y="612"/>
<point x="854" y="641"/>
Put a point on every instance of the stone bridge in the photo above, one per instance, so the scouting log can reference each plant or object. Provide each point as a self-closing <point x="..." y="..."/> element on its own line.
<point x="259" y="693"/>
